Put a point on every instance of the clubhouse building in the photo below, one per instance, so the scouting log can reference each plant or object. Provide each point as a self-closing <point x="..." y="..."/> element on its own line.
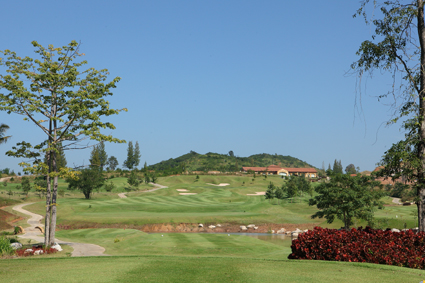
<point x="277" y="170"/>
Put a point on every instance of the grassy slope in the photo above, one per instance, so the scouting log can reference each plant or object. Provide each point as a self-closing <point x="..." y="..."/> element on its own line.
<point x="212" y="204"/>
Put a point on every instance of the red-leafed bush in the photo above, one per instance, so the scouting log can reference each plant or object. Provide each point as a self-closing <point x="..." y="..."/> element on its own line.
<point x="24" y="252"/>
<point x="362" y="245"/>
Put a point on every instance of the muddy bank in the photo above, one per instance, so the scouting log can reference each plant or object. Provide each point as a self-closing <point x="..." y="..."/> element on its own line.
<point x="191" y="227"/>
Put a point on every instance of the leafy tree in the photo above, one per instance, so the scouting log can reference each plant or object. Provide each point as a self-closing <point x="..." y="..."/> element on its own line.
<point x="271" y="192"/>
<point x="154" y="178"/>
<point x="147" y="178"/>
<point x="66" y="104"/>
<point x="109" y="187"/>
<point x="87" y="181"/>
<point x="279" y="193"/>
<point x="350" y="169"/>
<point x="231" y="154"/>
<point x="133" y="179"/>
<point x="397" y="48"/>
<point x="346" y="198"/>
<point x="25" y="185"/>
<point x="3" y="137"/>
<point x="112" y="163"/>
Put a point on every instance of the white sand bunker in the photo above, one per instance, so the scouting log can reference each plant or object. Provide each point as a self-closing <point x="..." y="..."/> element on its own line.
<point x="257" y="194"/>
<point x="187" y="194"/>
<point x="219" y="185"/>
<point x="182" y="190"/>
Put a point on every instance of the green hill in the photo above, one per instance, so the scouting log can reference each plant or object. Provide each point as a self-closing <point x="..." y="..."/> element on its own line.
<point x="194" y="161"/>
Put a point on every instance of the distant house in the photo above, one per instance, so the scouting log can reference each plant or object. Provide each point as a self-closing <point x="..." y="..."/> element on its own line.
<point x="277" y="170"/>
<point x="389" y="181"/>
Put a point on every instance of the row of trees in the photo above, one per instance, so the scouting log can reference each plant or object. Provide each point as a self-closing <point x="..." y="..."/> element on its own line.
<point x="294" y="187"/>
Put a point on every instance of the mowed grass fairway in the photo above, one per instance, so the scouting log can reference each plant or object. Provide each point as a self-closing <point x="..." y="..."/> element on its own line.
<point x="136" y="256"/>
<point x="194" y="269"/>
<point x="211" y="204"/>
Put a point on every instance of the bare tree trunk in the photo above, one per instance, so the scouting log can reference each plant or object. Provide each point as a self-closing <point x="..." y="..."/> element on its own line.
<point x="421" y="151"/>
<point x="47" y="218"/>
<point x="53" y="212"/>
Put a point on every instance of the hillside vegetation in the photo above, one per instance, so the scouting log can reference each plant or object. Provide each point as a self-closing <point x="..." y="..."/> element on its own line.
<point x="193" y="161"/>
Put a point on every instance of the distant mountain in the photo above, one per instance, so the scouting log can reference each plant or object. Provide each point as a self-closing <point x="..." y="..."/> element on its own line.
<point x="193" y="161"/>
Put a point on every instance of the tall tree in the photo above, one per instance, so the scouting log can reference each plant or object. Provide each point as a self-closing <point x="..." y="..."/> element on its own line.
<point x="398" y="48"/>
<point x="66" y="104"/>
<point x="95" y="157"/>
<point x="128" y="163"/>
<point x="337" y="168"/>
<point x="103" y="157"/>
<point x="3" y="137"/>
<point x="136" y="155"/>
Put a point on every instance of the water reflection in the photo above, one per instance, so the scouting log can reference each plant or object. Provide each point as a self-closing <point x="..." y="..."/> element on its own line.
<point x="278" y="239"/>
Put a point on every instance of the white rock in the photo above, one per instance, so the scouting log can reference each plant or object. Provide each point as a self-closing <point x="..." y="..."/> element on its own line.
<point x="294" y="234"/>
<point x="273" y="231"/>
<point x="298" y="230"/>
<point x="243" y="228"/>
<point x="38" y="252"/>
<point x="211" y="226"/>
<point x="306" y="230"/>
<point x="255" y="228"/>
<point x="201" y="225"/>
<point x="395" y="230"/>
<point x="16" y="245"/>
<point x="251" y="226"/>
<point x="57" y="247"/>
<point x="218" y="225"/>
<point x="28" y="251"/>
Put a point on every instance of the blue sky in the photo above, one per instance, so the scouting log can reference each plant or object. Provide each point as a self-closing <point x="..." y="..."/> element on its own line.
<point x="214" y="76"/>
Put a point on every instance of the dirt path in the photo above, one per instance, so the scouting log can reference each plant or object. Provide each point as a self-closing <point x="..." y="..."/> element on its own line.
<point x="158" y="187"/>
<point x="397" y="200"/>
<point x="32" y="233"/>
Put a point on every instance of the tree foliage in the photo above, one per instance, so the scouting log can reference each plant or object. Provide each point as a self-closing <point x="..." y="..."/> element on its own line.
<point x="112" y="163"/>
<point x="65" y="103"/>
<point x="346" y="198"/>
<point x="350" y="169"/>
<point x="3" y="137"/>
<point x="133" y="156"/>
<point x="87" y="181"/>
<point x="397" y="48"/>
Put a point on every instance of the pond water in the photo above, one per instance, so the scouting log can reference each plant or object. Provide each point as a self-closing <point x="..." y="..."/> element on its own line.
<point x="278" y="239"/>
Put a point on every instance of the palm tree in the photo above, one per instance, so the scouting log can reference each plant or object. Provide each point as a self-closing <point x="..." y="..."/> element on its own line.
<point x="3" y="138"/>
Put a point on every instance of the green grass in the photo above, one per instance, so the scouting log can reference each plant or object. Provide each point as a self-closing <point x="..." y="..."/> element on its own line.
<point x="228" y="204"/>
<point x="212" y="204"/>
<point x="194" y="269"/>
<point x="189" y="257"/>
<point x="135" y="242"/>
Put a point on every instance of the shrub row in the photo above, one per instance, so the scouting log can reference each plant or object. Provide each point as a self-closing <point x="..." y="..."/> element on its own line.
<point x="405" y="249"/>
